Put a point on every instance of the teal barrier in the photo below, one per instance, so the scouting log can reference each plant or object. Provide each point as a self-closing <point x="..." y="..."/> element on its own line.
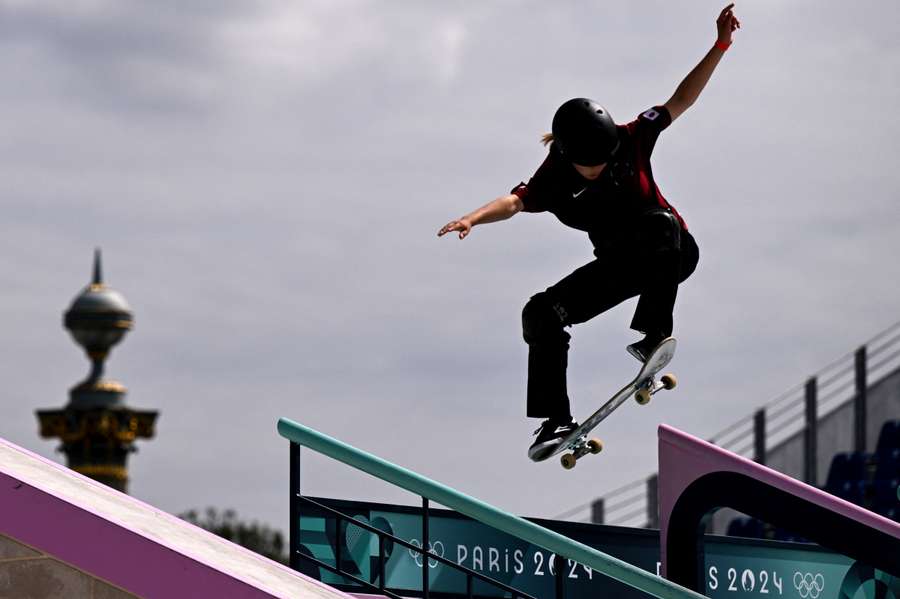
<point x="483" y="512"/>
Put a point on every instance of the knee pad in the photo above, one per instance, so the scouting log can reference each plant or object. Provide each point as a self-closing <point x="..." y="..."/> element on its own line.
<point x="543" y="320"/>
<point x="660" y="231"/>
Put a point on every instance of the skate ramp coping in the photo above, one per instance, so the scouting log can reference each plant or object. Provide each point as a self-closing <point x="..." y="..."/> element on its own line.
<point x="63" y="521"/>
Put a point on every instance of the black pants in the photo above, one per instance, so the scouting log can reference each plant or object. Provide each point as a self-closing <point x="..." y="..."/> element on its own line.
<point x="649" y="270"/>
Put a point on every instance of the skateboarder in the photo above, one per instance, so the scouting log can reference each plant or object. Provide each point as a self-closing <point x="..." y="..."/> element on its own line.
<point x="597" y="178"/>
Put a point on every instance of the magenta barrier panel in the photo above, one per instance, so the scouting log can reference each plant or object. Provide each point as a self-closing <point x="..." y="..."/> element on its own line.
<point x="121" y="555"/>
<point x="683" y="459"/>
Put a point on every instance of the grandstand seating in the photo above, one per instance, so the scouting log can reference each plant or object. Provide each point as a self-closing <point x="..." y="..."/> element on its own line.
<point x="870" y="480"/>
<point x="848" y="476"/>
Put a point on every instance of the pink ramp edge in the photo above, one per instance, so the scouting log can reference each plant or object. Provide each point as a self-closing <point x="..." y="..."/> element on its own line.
<point x="684" y="458"/>
<point x="115" y="552"/>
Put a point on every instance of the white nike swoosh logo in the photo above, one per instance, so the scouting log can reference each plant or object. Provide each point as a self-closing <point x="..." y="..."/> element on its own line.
<point x="575" y="195"/>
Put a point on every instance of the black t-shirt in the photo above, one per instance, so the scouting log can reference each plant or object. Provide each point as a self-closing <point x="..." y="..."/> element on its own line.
<point x="607" y="206"/>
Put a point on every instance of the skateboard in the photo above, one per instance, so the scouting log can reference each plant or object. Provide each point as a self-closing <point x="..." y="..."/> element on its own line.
<point x="577" y="444"/>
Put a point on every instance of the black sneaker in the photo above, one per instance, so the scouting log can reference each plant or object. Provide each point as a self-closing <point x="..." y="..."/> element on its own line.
<point x="643" y="348"/>
<point x="550" y="434"/>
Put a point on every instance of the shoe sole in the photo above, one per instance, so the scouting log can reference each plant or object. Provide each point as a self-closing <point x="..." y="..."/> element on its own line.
<point x="536" y="448"/>
<point x="637" y="355"/>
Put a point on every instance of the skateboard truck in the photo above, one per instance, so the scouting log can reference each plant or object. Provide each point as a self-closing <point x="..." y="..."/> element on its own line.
<point x="583" y="446"/>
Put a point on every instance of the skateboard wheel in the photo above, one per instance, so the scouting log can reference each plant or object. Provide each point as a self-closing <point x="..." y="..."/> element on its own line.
<point x="595" y="445"/>
<point x="568" y="461"/>
<point x="642" y="396"/>
<point x="668" y="381"/>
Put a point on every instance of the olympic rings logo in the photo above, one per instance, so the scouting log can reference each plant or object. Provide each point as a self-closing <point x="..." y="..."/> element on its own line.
<point x="437" y="548"/>
<point x="809" y="585"/>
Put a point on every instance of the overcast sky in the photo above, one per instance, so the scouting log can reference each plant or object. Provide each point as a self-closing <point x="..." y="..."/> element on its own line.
<point x="266" y="180"/>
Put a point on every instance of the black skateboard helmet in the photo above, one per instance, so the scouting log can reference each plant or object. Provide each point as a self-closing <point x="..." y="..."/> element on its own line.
<point x="584" y="132"/>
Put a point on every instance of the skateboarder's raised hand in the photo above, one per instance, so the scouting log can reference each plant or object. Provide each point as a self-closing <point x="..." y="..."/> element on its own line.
<point x="500" y="209"/>
<point x="689" y="89"/>
<point x="727" y="23"/>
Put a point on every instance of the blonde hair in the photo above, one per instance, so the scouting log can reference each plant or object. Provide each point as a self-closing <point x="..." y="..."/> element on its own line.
<point x="547" y="139"/>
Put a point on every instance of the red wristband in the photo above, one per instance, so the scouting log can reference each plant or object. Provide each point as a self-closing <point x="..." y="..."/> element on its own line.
<point x="722" y="45"/>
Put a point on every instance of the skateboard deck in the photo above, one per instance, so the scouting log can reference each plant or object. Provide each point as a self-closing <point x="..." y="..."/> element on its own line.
<point x="641" y="387"/>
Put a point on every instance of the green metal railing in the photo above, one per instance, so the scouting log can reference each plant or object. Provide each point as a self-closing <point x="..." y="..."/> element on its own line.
<point x="483" y="512"/>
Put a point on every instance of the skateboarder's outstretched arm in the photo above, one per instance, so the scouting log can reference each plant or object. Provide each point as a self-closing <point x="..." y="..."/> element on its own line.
<point x="500" y="209"/>
<point x="689" y="89"/>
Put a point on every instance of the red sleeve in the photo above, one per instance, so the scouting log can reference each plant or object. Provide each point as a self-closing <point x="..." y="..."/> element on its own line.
<point x="536" y="194"/>
<point x="648" y="125"/>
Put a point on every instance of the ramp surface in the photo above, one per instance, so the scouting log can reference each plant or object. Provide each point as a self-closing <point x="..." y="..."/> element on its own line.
<point x="102" y="543"/>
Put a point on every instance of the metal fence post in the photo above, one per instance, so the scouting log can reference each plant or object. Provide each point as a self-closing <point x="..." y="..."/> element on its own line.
<point x="759" y="436"/>
<point x="597" y="511"/>
<point x="810" y="434"/>
<point x="294" y="532"/>
<point x="653" y="501"/>
<point x="425" y="547"/>
<point x="859" y="402"/>
<point x="559" y="562"/>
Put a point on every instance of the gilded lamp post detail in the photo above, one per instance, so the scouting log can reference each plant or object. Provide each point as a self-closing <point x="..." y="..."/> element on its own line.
<point x="96" y="428"/>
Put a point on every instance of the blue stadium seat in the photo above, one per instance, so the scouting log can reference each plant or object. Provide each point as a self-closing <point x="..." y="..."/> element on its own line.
<point x="838" y="471"/>
<point x="848" y="476"/>
<point x="889" y="437"/>
<point x="736" y="527"/>
<point x="786" y="535"/>
<point x="754" y="529"/>
<point x="885" y="501"/>
<point x="887" y="464"/>
<point x="749" y="528"/>
<point x="887" y="471"/>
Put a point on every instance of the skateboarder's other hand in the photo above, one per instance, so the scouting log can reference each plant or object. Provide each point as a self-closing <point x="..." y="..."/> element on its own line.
<point x="462" y="225"/>
<point x="727" y="23"/>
